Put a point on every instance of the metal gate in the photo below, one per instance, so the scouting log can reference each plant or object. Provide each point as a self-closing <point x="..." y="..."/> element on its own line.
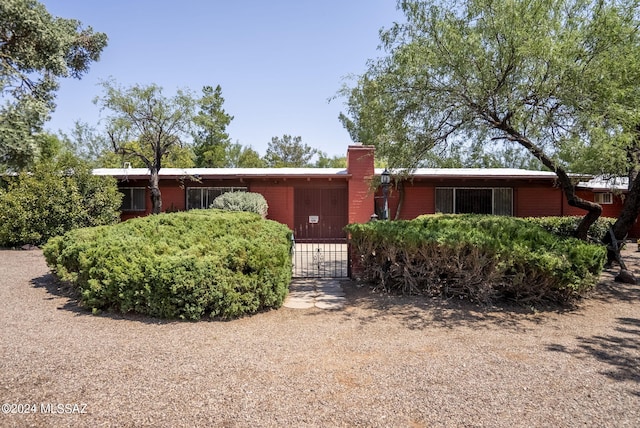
<point x="321" y="248"/>
<point x="326" y="259"/>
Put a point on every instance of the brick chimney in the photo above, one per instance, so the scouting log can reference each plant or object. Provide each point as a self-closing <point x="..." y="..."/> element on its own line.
<point x="361" y="197"/>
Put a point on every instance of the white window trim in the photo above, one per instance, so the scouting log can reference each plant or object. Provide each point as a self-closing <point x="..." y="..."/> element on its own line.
<point x="605" y="198"/>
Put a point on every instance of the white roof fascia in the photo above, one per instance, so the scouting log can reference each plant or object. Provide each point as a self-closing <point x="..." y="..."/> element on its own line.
<point x="222" y="172"/>
<point x="476" y="173"/>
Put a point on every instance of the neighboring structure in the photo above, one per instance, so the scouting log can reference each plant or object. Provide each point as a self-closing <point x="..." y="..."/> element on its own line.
<point x="317" y="203"/>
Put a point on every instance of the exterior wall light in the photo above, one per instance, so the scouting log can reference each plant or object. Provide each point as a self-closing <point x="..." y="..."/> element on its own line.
<point x="385" y="180"/>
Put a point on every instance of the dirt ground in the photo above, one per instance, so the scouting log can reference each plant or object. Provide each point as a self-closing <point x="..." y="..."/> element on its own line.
<point x="380" y="361"/>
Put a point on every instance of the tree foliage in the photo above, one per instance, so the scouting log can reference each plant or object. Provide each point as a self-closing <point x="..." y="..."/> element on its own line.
<point x="485" y="70"/>
<point x="289" y="152"/>
<point x="212" y="145"/>
<point x="36" y="50"/>
<point x="246" y="157"/>
<point x="148" y="126"/>
<point x="324" y="161"/>
<point x="56" y="196"/>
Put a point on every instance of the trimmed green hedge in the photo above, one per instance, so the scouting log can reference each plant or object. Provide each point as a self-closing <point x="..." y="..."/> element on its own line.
<point x="479" y="257"/>
<point x="566" y="226"/>
<point x="180" y="265"/>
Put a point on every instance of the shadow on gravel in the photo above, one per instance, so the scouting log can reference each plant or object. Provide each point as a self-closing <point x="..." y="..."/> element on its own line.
<point x="609" y="291"/>
<point x="620" y="351"/>
<point x="56" y="288"/>
<point x="423" y="312"/>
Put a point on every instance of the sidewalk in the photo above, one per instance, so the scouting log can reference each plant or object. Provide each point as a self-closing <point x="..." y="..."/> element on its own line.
<point x="323" y="293"/>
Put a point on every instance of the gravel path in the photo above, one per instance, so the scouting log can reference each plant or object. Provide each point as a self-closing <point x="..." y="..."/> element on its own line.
<point x="380" y="361"/>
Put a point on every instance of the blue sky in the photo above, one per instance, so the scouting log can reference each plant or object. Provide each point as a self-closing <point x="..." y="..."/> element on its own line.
<point x="278" y="62"/>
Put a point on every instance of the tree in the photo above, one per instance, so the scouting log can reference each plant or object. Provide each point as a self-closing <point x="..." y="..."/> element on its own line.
<point x="240" y="156"/>
<point x="36" y="49"/>
<point x="147" y="125"/>
<point x="212" y="144"/>
<point x="177" y="157"/>
<point x="325" y="161"/>
<point x="289" y="152"/>
<point x="610" y="99"/>
<point x="488" y="70"/>
<point x="87" y="143"/>
<point x="57" y="195"/>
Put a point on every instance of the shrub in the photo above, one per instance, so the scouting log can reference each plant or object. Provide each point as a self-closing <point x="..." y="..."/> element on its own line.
<point x="242" y="201"/>
<point x="180" y="265"/>
<point x="482" y="258"/>
<point x="54" y="198"/>
<point x="566" y="226"/>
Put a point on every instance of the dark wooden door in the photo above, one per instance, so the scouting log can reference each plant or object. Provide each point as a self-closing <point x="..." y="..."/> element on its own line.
<point x="320" y="213"/>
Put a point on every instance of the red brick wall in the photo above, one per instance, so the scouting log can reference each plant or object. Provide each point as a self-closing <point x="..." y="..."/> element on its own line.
<point x="280" y="201"/>
<point x="530" y="200"/>
<point x="173" y="196"/>
<point x="361" y="197"/>
<point x="418" y="200"/>
<point x="537" y="201"/>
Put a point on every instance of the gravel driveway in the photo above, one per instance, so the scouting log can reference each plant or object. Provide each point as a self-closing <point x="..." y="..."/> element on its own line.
<point x="381" y="361"/>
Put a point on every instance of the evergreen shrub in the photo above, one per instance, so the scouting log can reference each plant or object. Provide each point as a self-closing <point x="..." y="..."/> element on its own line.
<point x="479" y="257"/>
<point x="53" y="198"/>
<point x="242" y="201"/>
<point x="566" y="226"/>
<point x="181" y="265"/>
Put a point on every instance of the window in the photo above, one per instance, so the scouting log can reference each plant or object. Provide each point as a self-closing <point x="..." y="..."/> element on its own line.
<point x="202" y="197"/>
<point x="604" y="198"/>
<point x="134" y="198"/>
<point x="479" y="200"/>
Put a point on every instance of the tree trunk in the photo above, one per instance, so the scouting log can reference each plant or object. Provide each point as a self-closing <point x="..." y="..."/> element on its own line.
<point x="631" y="207"/>
<point x="156" y="196"/>
<point x="593" y="210"/>
<point x="629" y="213"/>
<point x="400" y="199"/>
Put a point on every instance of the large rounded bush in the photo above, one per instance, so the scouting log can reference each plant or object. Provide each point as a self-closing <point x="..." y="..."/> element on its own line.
<point x="479" y="257"/>
<point x="180" y="265"/>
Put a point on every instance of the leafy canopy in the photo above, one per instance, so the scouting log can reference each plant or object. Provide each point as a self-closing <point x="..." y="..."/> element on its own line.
<point x="542" y="74"/>
<point x="145" y="124"/>
<point x="211" y="140"/>
<point x="58" y="195"/>
<point x="36" y="50"/>
<point x="289" y="152"/>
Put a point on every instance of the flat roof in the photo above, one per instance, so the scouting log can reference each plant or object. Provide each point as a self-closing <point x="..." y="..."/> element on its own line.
<point x="222" y="172"/>
<point x="503" y="173"/>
